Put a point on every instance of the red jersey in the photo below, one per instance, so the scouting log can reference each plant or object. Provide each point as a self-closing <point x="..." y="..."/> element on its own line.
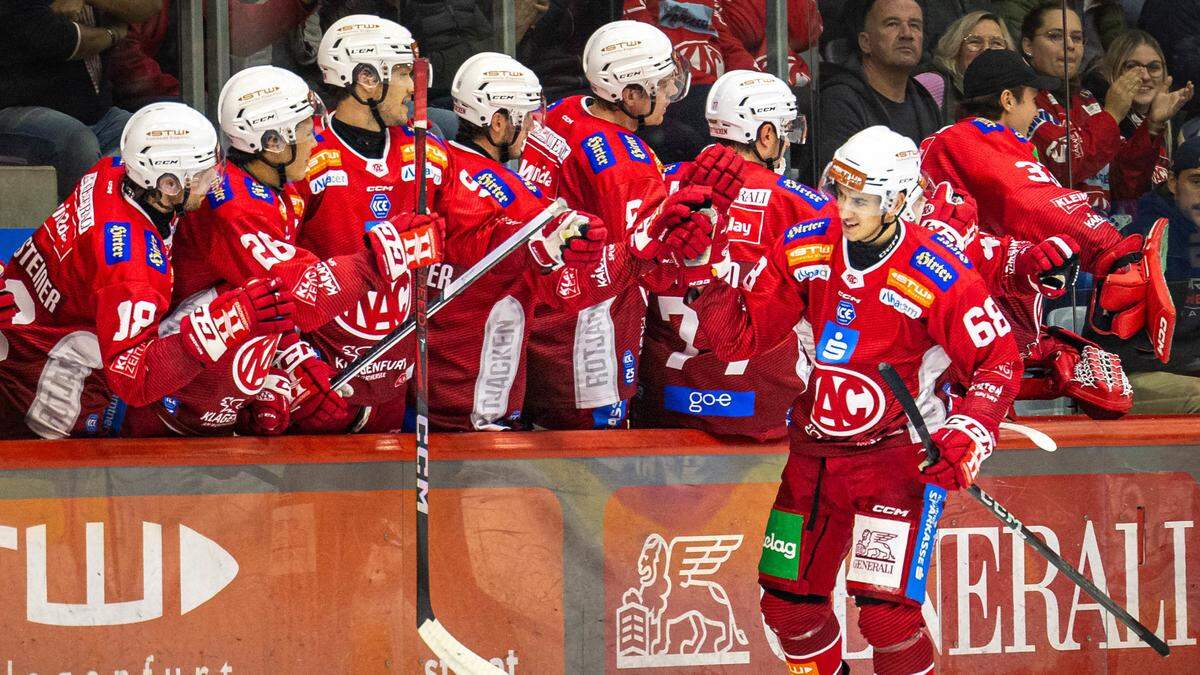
<point x="609" y="172"/>
<point x="546" y="148"/>
<point x="477" y="344"/>
<point x="91" y="285"/>
<point x="247" y="230"/>
<point x="682" y="385"/>
<point x="698" y="32"/>
<point x="1016" y="194"/>
<point x="345" y="194"/>
<point x="1098" y="147"/>
<point x="919" y="308"/>
<point x="1141" y="164"/>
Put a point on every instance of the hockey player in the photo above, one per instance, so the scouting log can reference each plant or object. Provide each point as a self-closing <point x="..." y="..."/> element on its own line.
<point x="875" y="289"/>
<point x="477" y="344"/>
<point x="362" y="172"/>
<point x="589" y="154"/>
<point x="754" y="114"/>
<point x="247" y="228"/>
<point x="94" y="281"/>
<point x="984" y="157"/>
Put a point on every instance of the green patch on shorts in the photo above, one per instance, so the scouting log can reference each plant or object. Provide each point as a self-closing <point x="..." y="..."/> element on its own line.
<point x="781" y="545"/>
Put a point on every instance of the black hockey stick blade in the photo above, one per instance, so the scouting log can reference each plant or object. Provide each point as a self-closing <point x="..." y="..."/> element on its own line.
<point x="900" y="392"/>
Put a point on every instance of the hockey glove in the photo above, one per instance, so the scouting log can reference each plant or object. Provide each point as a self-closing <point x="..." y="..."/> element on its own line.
<point x="962" y="443"/>
<point x="573" y="238"/>
<point x="316" y="406"/>
<point x="1131" y="293"/>
<point x="687" y="220"/>
<point x="950" y="212"/>
<point x="1066" y="364"/>
<point x="258" y="308"/>
<point x="1050" y="266"/>
<point x="719" y="168"/>
<point x="8" y="307"/>
<point x="268" y="413"/>
<point x="405" y="243"/>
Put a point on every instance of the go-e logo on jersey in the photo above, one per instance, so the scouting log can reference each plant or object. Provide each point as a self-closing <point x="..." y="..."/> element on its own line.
<point x="939" y="271"/>
<point x="381" y="205"/>
<point x="116" y="242"/>
<point x="844" y="402"/>
<point x="837" y="343"/>
<point x="708" y="402"/>
<point x="809" y="228"/>
<point x="845" y="313"/>
<point x="599" y="152"/>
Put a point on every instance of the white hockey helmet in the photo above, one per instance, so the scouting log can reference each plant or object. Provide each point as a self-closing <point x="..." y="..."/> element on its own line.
<point x="624" y="53"/>
<point x="877" y="161"/>
<point x="741" y="101"/>
<point x="363" y="41"/>
<point x="171" y="148"/>
<point x="489" y="82"/>
<point x="260" y="107"/>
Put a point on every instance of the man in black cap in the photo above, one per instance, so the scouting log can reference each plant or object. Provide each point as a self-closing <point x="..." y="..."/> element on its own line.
<point x="986" y="157"/>
<point x="1173" y="387"/>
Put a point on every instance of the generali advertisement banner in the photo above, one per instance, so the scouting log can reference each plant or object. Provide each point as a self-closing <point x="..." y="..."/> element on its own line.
<point x="321" y="582"/>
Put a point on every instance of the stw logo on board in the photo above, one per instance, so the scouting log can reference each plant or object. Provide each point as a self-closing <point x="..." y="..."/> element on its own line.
<point x="205" y="569"/>
<point x="704" y="631"/>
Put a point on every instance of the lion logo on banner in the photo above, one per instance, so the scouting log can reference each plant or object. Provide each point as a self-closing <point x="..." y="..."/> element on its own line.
<point x="677" y="615"/>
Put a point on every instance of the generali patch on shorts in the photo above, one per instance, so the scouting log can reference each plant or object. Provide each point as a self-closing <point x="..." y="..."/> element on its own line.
<point x="877" y="551"/>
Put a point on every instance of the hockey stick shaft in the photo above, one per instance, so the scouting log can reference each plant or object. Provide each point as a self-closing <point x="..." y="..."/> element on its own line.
<point x="900" y="392"/>
<point x="453" y="290"/>
<point x="420" y="128"/>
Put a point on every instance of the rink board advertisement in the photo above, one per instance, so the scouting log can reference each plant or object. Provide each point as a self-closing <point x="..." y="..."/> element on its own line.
<point x="557" y="559"/>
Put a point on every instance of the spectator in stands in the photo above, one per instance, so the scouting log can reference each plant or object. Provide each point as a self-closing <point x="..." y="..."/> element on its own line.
<point x="1103" y="20"/>
<point x="1095" y="137"/>
<point x="1174" y="387"/>
<point x="876" y="87"/>
<point x="1142" y="160"/>
<point x="1176" y="26"/>
<point x="940" y="15"/>
<point x="55" y="94"/>
<point x="970" y="36"/>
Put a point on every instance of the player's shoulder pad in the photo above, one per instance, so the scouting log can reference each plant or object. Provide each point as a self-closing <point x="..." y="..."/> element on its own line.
<point x="124" y="243"/>
<point x="814" y="198"/>
<point x="493" y="183"/>
<point x="221" y="194"/>
<point x="946" y="243"/>
<point x="939" y="263"/>
<point x="598" y="151"/>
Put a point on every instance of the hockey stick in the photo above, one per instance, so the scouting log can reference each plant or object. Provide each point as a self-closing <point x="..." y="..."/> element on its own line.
<point x="1039" y="438"/>
<point x="453" y="290"/>
<point x="444" y="645"/>
<point x="900" y="391"/>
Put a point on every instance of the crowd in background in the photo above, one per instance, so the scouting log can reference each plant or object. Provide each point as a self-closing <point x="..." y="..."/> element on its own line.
<point x="75" y="70"/>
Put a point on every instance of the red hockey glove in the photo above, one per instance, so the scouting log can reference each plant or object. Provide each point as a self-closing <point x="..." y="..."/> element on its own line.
<point x="258" y="308"/>
<point x="1050" y="267"/>
<point x="316" y="406"/>
<point x="405" y="243"/>
<point x="950" y="212"/>
<point x="962" y="443"/>
<point x="1131" y="293"/>
<point x="720" y="168"/>
<point x="573" y="238"/>
<point x="268" y="413"/>
<point x="8" y="307"/>
<point x="1066" y="364"/>
<point x="686" y="219"/>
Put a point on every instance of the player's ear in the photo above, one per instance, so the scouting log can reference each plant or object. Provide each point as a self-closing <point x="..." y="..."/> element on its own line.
<point x="497" y="124"/>
<point x="766" y="138"/>
<point x="634" y="98"/>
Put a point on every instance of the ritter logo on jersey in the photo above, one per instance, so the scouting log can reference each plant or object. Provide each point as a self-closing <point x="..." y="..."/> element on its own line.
<point x="938" y="269"/>
<point x="116" y="243"/>
<point x="837" y="343"/>
<point x="599" y="152"/>
<point x="492" y="184"/>
<point x="381" y="206"/>
<point x="815" y="199"/>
